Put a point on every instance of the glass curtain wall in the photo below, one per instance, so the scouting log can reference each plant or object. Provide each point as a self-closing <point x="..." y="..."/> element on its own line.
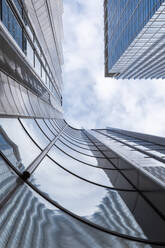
<point x="15" y="19"/>
<point x="72" y="189"/>
<point x="128" y="17"/>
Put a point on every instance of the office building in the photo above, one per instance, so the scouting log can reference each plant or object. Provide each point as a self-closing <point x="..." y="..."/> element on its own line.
<point x="134" y="39"/>
<point x="61" y="186"/>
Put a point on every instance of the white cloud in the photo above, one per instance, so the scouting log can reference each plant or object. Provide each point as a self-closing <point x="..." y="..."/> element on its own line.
<point x="90" y="99"/>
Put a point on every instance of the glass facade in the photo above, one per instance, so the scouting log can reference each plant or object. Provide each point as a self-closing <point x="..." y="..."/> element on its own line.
<point x="80" y="190"/>
<point x="62" y="187"/>
<point x="11" y="23"/>
<point x="124" y="21"/>
<point x="26" y="39"/>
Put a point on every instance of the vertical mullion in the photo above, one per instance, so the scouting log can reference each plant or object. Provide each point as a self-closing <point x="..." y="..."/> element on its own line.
<point x="36" y="162"/>
<point x="1" y="10"/>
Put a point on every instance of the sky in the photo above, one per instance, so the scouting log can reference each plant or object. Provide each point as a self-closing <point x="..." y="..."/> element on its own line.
<point x="89" y="99"/>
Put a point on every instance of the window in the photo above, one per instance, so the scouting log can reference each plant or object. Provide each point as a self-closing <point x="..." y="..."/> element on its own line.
<point x="19" y="6"/>
<point x="29" y="51"/>
<point x="37" y="46"/>
<point x="37" y="65"/>
<point x="43" y="75"/>
<point x="48" y="81"/>
<point x="28" y="26"/>
<point x="43" y="60"/>
<point x="11" y="23"/>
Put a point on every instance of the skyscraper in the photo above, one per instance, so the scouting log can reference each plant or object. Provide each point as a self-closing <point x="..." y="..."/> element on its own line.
<point x="61" y="186"/>
<point x="134" y="39"/>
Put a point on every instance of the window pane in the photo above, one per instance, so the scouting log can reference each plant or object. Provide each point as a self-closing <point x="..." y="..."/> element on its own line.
<point x="90" y="173"/>
<point x="16" y="144"/>
<point x="37" y="65"/>
<point x="82" y="157"/>
<point x="29" y="51"/>
<point x="45" y="220"/>
<point x="25" y="98"/>
<point x="35" y="132"/>
<point x="11" y="23"/>
<point x="101" y="162"/>
<point x="84" y="146"/>
<point x="37" y="46"/>
<point x="79" y="149"/>
<point x="45" y="129"/>
<point x="51" y="127"/>
<point x="43" y="75"/>
<point x="28" y="27"/>
<point x="18" y="5"/>
<point x="100" y="203"/>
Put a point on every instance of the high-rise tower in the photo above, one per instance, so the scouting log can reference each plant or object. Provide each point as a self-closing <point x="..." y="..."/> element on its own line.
<point x="61" y="186"/>
<point x="134" y="38"/>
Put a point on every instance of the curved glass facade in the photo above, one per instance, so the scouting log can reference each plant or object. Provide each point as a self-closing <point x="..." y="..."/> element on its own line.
<point x="90" y="194"/>
<point x="61" y="186"/>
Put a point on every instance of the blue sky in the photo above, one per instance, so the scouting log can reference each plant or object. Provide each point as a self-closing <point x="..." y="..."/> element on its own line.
<point x="90" y="99"/>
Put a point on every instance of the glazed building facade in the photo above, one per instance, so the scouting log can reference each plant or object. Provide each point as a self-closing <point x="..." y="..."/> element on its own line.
<point x="134" y="39"/>
<point x="61" y="186"/>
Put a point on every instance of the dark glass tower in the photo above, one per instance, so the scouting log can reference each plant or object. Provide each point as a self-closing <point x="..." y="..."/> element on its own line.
<point x="134" y="38"/>
<point x="61" y="186"/>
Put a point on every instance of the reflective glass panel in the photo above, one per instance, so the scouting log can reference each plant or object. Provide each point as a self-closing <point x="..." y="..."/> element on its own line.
<point x="93" y="174"/>
<point x="71" y="192"/>
<point x="84" y="146"/>
<point x="25" y="99"/>
<point x="11" y="23"/>
<point x="45" y="129"/>
<point x="18" y="5"/>
<point x="83" y="158"/>
<point x="43" y="75"/>
<point x="65" y="134"/>
<point x="16" y="144"/>
<point x="51" y="127"/>
<point x="35" y="132"/>
<point x="28" y="217"/>
<point x="37" y="65"/>
<point x="103" y="163"/>
<point x="78" y="149"/>
<point x="29" y="51"/>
